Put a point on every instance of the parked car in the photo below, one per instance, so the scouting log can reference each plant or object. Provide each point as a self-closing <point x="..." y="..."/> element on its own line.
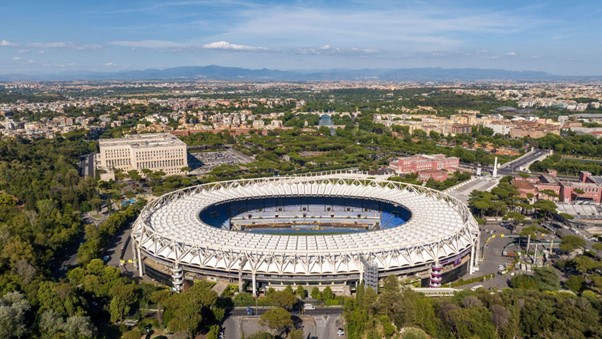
<point x="309" y="307"/>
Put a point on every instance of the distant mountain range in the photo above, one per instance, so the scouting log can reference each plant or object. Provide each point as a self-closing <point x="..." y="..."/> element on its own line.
<point x="243" y="74"/>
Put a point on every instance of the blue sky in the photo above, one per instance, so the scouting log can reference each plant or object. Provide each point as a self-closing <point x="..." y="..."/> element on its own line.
<point x="557" y="36"/>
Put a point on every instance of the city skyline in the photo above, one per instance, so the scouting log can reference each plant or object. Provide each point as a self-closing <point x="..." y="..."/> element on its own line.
<point x="300" y="35"/>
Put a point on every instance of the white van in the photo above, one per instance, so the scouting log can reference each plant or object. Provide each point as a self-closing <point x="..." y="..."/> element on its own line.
<point x="309" y="307"/>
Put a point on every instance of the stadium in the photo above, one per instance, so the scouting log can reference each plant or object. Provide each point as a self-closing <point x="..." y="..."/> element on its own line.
<point x="332" y="229"/>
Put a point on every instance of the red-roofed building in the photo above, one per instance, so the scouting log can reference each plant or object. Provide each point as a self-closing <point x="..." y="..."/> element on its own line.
<point x="432" y="174"/>
<point x="548" y="187"/>
<point x="424" y="162"/>
<point x="435" y="166"/>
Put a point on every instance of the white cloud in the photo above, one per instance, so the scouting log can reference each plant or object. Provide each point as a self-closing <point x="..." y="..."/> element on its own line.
<point x="159" y="44"/>
<point x="330" y="50"/>
<point x="88" y="46"/>
<point x="227" y="45"/>
<point x="56" y="44"/>
<point x="388" y="31"/>
<point x="172" y="45"/>
<point x="17" y="58"/>
<point x="49" y="45"/>
<point x="7" y="43"/>
<point x="511" y="54"/>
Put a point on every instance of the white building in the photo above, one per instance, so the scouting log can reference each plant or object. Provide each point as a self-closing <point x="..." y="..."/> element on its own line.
<point x="157" y="152"/>
<point x="499" y="128"/>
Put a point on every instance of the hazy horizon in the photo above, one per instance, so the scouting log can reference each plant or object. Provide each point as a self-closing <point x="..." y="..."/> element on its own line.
<point x="68" y="35"/>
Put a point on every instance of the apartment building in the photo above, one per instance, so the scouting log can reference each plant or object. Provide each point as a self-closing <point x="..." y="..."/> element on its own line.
<point x="157" y="152"/>
<point x="548" y="187"/>
<point x="423" y="163"/>
<point x="434" y="166"/>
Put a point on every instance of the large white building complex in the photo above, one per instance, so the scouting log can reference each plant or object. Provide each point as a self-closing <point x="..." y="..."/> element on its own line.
<point x="156" y="152"/>
<point x="305" y="230"/>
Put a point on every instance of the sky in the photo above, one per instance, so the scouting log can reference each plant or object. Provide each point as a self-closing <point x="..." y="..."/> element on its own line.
<point x="556" y="36"/>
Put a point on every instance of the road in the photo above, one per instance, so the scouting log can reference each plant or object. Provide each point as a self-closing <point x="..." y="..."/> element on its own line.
<point x="240" y="311"/>
<point x="492" y="246"/>
<point x="524" y="161"/>
<point x="122" y="245"/>
<point x="462" y="191"/>
<point x="86" y="165"/>
<point x="323" y="322"/>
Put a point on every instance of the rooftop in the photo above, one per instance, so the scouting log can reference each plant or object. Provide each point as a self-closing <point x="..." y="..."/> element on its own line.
<point x="143" y="140"/>
<point x="548" y="179"/>
<point x="522" y="184"/>
<point x="596" y="179"/>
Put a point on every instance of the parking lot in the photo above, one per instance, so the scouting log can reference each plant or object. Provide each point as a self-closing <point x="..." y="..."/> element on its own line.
<point x="317" y="326"/>
<point x="206" y="161"/>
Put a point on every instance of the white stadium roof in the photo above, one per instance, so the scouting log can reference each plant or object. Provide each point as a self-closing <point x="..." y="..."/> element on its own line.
<point x="170" y="228"/>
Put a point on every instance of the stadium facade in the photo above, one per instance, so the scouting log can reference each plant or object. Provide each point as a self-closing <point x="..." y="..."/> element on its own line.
<point x="310" y="230"/>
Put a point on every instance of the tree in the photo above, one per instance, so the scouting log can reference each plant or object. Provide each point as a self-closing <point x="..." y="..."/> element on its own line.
<point x="13" y="309"/>
<point x="571" y="242"/>
<point x="585" y="264"/>
<point x="183" y="314"/>
<point x="532" y="231"/>
<point x="545" y="207"/>
<point x="159" y="298"/>
<point x="59" y="297"/>
<point x="389" y="300"/>
<point x="536" y="316"/>
<point x="278" y="319"/>
<point x="472" y="322"/>
<point x="481" y="206"/>
<point x="134" y="175"/>
<point x="78" y="327"/>
<point x="51" y="324"/>
<point x="185" y="311"/>
<point x="413" y="333"/>
<point x="136" y="334"/>
<point x="359" y="294"/>
<point x="549" y="193"/>
<point x="285" y="298"/>
<point x="213" y="332"/>
<point x="370" y="299"/>
<point x="327" y="294"/>
<point x="575" y="283"/>
<point x="547" y="279"/>
<point x="500" y="316"/>
<point x="524" y="281"/>
<point x="315" y="293"/>
<point x="296" y="334"/>
<point x="123" y="296"/>
<point x="301" y="292"/>
<point x="516" y="218"/>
